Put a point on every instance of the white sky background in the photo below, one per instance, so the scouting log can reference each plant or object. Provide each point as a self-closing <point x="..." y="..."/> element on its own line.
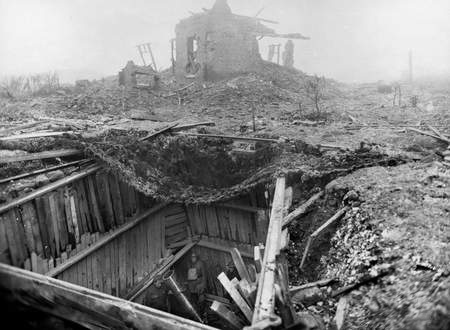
<point x="351" y="40"/>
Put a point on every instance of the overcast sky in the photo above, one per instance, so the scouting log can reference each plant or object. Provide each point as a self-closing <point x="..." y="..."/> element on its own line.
<point x="351" y="40"/>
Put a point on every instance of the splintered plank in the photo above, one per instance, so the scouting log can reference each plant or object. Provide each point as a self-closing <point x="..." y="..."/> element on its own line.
<point x="54" y="221"/>
<point x="105" y="203"/>
<point x="4" y="250"/>
<point x="45" y="225"/>
<point x="236" y="296"/>
<point x="94" y="204"/>
<point x="84" y="207"/>
<point x="62" y="222"/>
<point x="69" y="220"/>
<point x="226" y="314"/>
<point x="74" y="215"/>
<point x="240" y="265"/>
<point x="40" y="155"/>
<point x="81" y="219"/>
<point x="15" y="250"/>
<point x="116" y="199"/>
<point x="28" y="229"/>
<point x="15" y="237"/>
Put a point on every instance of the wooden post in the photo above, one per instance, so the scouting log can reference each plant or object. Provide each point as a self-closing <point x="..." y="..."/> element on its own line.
<point x="265" y="297"/>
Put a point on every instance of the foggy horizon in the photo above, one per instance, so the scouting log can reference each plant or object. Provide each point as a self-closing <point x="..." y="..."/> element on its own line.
<point x="351" y="41"/>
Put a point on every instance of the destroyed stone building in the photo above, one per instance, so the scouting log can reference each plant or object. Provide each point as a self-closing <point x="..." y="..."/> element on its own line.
<point x="217" y="43"/>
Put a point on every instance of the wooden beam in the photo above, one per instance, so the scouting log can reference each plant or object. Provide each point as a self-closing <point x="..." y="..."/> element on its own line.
<point x="154" y="134"/>
<point x="240" y="265"/>
<point x="265" y="297"/>
<point x="218" y="247"/>
<point x="245" y="208"/>
<point x="85" y="307"/>
<point x="50" y="187"/>
<point x="104" y="240"/>
<point x="235" y="295"/>
<point x="443" y="139"/>
<point x="189" y="126"/>
<point x="302" y="209"/>
<point x="435" y="131"/>
<point x="227" y="315"/>
<point x="232" y="137"/>
<point x="319" y="283"/>
<point x="34" y="135"/>
<point x="44" y="170"/>
<point x="40" y="155"/>
<point x="335" y="217"/>
<point x="148" y="280"/>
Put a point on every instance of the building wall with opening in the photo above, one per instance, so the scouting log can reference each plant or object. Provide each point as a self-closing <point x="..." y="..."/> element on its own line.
<point x="224" y="45"/>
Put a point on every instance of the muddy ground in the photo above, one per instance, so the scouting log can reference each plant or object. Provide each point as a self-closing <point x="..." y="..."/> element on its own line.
<point x="399" y="201"/>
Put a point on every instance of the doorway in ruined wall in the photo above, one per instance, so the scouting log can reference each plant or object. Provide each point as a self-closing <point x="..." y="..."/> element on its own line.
<point x="192" y="66"/>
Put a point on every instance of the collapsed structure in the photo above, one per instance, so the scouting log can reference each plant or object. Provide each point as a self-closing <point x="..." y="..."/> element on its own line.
<point x="218" y="44"/>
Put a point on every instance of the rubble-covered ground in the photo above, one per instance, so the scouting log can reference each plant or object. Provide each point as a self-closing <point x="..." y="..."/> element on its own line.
<point x="398" y="179"/>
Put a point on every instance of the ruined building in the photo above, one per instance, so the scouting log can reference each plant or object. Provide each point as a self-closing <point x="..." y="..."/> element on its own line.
<point x="217" y="43"/>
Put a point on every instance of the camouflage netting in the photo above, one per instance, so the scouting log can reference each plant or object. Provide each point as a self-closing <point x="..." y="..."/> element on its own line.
<point x="200" y="170"/>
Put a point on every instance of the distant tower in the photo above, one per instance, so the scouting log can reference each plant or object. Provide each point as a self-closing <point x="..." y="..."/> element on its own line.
<point x="410" y="67"/>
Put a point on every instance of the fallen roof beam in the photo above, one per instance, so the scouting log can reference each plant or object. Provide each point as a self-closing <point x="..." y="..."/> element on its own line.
<point x="85" y="307"/>
<point x="443" y="139"/>
<point x="147" y="281"/>
<point x="44" y="170"/>
<point x="40" y="155"/>
<point x="302" y="209"/>
<point x="265" y="297"/>
<point x="189" y="126"/>
<point x="34" y="135"/>
<point x="154" y="134"/>
<point x="104" y="240"/>
<point x="232" y="137"/>
<point x="50" y="187"/>
<point x="335" y="217"/>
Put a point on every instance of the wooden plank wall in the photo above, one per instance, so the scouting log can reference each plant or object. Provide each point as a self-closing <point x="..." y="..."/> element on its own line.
<point x="119" y="265"/>
<point x="48" y="230"/>
<point x="176" y="224"/>
<point x="224" y="223"/>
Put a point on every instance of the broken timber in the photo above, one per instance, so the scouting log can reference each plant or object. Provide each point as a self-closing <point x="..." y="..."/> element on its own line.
<point x="335" y="217"/>
<point x="265" y="297"/>
<point x="44" y="170"/>
<point x="35" y="135"/>
<point x="440" y="138"/>
<point x="50" y="187"/>
<point x="154" y="134"/>
<point x="41" y="155"/>
<point x="232" y="137"/>
<point x="65" y="301"/>
<point x="302" y="209"/>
